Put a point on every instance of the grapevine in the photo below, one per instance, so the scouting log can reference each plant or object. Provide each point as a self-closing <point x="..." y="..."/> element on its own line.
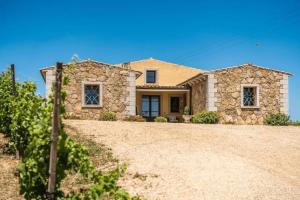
<point x="26" y="119"/>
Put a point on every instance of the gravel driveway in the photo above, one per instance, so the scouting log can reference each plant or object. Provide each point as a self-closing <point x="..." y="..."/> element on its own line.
<point x="190" y="161"/>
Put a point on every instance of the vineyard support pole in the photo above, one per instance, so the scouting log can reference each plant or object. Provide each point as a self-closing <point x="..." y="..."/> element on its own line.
<point x="54" y="134"/>
<point x="13" y="78"/>
<point x="14" y="93"/>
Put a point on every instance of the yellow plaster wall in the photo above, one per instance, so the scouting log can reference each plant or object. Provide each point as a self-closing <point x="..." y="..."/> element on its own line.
<point x="169" y="74"/>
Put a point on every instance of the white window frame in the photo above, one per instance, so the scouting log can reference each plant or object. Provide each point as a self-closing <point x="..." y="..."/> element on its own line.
<point x="100" y="84"/>
<point x="257" y="95"/>
<point x="156" y="75"/>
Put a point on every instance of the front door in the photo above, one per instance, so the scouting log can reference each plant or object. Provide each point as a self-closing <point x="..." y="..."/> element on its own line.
<point x="150" y="106"/>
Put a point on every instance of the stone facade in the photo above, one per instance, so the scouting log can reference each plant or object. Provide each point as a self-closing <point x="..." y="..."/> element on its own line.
<point x="272" y="94"/>
<point x="117" y="95"/>
<point x="220" y="90"/>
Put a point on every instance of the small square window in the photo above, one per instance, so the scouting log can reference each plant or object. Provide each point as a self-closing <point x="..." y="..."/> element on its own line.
<point x="91" y="94"/>
<point x="250" y="96"/>
<point x="150" y="76"/>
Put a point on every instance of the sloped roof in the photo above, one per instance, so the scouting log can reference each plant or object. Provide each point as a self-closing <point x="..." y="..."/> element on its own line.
<point x="162" y="61"/>
<point x="232" y="67"/>
<point x="192" y="78"/>
<point x="44" y="69"/>
<point x="253" y="65"/>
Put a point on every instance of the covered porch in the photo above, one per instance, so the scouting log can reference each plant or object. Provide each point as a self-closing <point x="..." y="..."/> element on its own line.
<point x="167" y="101"/>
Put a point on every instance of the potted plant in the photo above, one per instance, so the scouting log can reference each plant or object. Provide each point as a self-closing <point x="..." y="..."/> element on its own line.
<point x="186" y="115"/>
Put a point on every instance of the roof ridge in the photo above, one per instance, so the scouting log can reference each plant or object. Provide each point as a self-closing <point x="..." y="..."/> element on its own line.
<point x="151" y="58"/>
<point x="254" y="65"/>
<point x="88" y="60"/>
<point x="81" y="61"/>
<point x="235" y="66"/>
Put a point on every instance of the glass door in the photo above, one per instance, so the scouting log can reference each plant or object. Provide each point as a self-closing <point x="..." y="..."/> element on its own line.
<point x="150" y="106"/>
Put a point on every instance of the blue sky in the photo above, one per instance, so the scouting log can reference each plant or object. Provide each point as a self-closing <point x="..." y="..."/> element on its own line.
<point x="202" y="34"/>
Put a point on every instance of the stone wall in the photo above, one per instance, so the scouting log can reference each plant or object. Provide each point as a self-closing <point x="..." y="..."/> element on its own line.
<point x="199" y="100"/>
<point x="272" y="93"/>
<point x="116" y="87"/>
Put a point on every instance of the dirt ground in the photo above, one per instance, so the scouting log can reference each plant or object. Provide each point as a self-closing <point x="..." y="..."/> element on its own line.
<point x="190" y="161"/>
<point x="9" y="188"/>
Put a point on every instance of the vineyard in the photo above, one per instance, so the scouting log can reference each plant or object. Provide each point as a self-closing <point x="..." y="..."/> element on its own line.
<point x="26" y="120"/>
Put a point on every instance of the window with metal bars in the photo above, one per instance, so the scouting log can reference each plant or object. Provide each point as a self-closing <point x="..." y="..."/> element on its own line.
<point x="91" y="95"/>
<point x="250" y="96"/>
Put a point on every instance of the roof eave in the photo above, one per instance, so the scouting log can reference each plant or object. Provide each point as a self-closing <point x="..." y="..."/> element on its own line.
<point x="192" y="78"/>
<point x="159" y="87"/>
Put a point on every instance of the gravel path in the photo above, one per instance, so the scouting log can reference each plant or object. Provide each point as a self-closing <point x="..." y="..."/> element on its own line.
<point x="190" y="161"/>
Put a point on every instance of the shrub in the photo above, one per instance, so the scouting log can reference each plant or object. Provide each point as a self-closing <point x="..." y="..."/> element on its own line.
<point x="108" y="116"/>
<point x="160" y="119"/>
<point x="135" y="118"/>
<point x="278" y="119"/>
<point x="294" y="123"/>
<point x="6" y="97"/>
<point x="186" y="110"/>
<point x="26" y="106"/>
<point x="205" y="118"/>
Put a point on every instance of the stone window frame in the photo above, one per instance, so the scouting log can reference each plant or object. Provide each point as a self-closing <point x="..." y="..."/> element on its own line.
<point x="100" y="84"/>
<point x="257" y="95"/>
<point x="156" y="75"/>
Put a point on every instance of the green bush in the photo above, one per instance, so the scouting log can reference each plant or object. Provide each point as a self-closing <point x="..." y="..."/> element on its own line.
<point x="294" y="123"/>
<point x="186" y="110"/>
<point x="205" y="118"/>
<point x="6" y="98"/>
<point x="279" y="119"/>
<point x="27" y="105"/>
<point x="135" y="118"/>
<point x="108" y="116"/>
<point x="160" y="119"/>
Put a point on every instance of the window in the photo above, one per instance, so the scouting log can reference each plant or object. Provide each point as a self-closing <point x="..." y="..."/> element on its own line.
<point x="92" y="92"/>
<point x="250" y="96"/>
<point x="150" y="106"/>
<point x="151" y="76"/>
<point x="174" y="104"/>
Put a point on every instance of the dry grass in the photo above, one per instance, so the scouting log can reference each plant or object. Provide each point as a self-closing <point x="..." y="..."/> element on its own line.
<point x="9" y="184"/>
<point x="189" y="161"/>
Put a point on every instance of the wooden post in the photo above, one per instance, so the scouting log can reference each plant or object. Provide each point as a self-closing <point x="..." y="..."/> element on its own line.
<point x="13" y="78"/>
<point x="191" y="95"/>
<point x="14" y="93"/>
<point x="55" y="130"/>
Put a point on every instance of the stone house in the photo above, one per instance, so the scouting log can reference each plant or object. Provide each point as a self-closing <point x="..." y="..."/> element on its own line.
<point x="242" y="94"/>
